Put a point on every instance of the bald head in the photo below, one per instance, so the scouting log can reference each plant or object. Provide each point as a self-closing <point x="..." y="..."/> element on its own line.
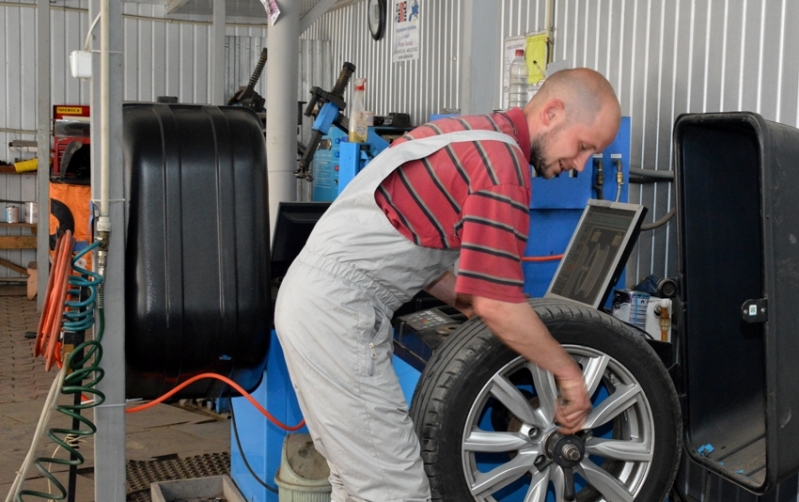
<point x="585" y="94"/>
<point x="574" y="115"/>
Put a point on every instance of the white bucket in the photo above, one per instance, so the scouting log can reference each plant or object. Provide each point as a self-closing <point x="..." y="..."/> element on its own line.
<point x="303" y="472"/>
<point x="31" y="212"/>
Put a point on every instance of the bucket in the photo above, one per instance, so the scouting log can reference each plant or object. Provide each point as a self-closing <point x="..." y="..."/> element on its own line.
<point x="31" y="212"/>
<point x="12" y="214"/>
<point x="303" y="472"/>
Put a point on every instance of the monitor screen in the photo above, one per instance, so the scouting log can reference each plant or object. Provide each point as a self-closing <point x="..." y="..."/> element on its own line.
<point x="597" y="252"/>
<point x="293" y="225"/>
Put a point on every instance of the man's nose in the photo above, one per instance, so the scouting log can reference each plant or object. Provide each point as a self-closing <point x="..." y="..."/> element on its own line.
<point x="580" y="161"/>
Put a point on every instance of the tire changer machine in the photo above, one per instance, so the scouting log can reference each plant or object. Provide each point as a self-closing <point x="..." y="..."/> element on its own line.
<point x="734" y="359"/>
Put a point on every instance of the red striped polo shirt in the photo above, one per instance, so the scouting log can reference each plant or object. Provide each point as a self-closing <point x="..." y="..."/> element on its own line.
<point x="471" y="195"/>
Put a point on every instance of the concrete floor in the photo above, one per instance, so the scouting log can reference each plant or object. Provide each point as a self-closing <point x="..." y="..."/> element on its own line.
<point x="164" y="431"/>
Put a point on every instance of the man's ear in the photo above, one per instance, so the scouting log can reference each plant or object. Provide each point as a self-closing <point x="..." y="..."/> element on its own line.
<point x="552" y="112"/>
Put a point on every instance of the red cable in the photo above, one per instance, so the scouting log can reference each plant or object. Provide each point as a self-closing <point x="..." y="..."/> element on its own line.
<point x="228" y="381"/>
<point x="538" y="259"/>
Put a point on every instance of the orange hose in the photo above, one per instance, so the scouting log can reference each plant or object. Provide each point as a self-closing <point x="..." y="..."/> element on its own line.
<point x="47" y="335"/>
<point x="228" y="381"/>
<point x="538" y="259"/>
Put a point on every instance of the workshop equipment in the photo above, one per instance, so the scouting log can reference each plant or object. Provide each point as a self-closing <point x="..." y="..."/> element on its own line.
<point x="327" y="108"/>
<point x="246" y="95"/>
<point x="737" y="310"/>
<point x="71" y="144"/>
<point x="557" y="204"/>
<point x="197" y="257"/>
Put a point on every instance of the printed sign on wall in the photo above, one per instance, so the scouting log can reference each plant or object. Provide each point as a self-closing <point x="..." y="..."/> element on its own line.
<point x="406" y="30"/>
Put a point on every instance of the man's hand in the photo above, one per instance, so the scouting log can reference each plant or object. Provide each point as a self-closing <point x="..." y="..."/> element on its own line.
<point x="573" y="405"/>
<point x="519" y="327"/>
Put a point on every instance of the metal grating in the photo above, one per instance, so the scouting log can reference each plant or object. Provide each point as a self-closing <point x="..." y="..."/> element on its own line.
<point x="140" y="474"/>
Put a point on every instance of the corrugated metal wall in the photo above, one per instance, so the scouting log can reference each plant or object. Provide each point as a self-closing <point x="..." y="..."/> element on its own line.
<point x="162" y="58"/>
<point x="667" y="57"/>
<point x="419" y="87"/>
<point x="664" y="57"/>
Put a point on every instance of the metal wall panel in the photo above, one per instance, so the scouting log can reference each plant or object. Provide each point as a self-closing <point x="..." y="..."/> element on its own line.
<point x="419" y="87"/>
<point x="666" y="57"/>
<point x="17" y="115"/>
<point x="163" y="57"/>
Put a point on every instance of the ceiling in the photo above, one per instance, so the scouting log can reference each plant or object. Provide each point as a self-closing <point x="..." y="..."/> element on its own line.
<point x="241" y="9"/>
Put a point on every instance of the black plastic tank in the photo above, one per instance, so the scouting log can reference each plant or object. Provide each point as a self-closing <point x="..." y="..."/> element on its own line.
<point x="737" y="177"/>
<point x="197" y="249"/>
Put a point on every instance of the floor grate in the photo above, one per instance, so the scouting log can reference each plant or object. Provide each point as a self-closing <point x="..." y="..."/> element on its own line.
<point x="140" y="474"/>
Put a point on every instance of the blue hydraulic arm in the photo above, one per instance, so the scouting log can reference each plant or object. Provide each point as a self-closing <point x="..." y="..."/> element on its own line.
<point x="332" y="104"/>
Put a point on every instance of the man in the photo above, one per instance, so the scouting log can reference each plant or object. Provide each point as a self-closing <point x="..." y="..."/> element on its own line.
<point x="455" y="188"/>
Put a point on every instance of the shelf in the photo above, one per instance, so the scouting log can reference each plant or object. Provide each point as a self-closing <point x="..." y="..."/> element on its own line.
<point x="10" y="169"/>
<point x="32" y="226"/>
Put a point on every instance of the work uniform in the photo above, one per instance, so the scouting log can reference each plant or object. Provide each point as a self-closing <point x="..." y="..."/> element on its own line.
<point x="333" y="317"/>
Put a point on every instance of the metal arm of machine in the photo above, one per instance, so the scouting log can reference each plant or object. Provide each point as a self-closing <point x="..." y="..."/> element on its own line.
<point x="332" y="103"/>
<point x="246" y="95"/>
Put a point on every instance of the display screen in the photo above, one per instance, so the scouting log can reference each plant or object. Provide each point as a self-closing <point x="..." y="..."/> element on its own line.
<point x="593" y="260"/>
<point x="293" y="225"/>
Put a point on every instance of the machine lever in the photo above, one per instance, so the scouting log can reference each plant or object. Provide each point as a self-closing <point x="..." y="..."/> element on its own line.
<point x="332" y="103"/>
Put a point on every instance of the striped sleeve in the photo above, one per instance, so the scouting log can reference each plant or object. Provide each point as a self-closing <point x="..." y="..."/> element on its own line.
<point x="494" y="227"/>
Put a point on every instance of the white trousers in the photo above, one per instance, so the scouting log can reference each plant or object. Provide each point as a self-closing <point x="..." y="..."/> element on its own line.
<point x="337" y="341"/>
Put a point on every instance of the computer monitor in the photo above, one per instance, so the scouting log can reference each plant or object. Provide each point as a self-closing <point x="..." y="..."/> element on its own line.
<point x="597" y="252"/>
<point x="293" y="225"/>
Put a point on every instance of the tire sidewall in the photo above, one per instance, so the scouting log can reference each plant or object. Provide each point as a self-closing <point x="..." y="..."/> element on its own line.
<point x="463" y="371"/>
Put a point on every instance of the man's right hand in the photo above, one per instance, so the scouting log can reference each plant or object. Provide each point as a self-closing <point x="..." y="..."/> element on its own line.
<point x="573" y="406"/>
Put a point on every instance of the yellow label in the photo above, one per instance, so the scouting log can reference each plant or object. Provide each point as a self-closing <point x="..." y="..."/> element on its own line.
<point x="69" y="110"/>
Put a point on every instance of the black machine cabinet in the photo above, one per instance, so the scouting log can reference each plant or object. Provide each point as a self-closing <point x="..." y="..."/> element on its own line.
<point x="197" y="256"/>
<point x="737" y="181"/>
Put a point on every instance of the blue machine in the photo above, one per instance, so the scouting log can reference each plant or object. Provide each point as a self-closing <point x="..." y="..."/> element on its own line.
<point x="557" y="204"/>
<point x="338" y="160"/>
<point x="555" y="210"/>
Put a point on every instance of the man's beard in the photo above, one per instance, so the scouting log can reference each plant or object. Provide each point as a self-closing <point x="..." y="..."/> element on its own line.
<point x="537" y="157"/>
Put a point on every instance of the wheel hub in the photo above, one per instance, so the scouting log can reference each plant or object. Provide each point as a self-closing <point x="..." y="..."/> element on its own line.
<point x="566" y="451"/>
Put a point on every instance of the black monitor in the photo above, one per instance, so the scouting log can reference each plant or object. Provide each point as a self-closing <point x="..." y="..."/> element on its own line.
<point x="293" y="225"/>
<point x="597" y="252"/>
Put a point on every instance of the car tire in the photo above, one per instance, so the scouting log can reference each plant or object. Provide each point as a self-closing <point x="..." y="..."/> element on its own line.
<point x="484" y="416"/>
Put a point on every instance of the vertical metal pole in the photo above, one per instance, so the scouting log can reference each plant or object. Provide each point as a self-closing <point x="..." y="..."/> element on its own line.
<point x="479" y="63"/>
<point x="43" y="145"/>
<point x="218" y="54"/>
<point x="74" y="339"/>
<point x="281" y="107"/>
<point x="109" y="417"/>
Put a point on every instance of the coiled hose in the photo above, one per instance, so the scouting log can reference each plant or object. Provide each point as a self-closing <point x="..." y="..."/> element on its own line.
<point x="83" y="370"/>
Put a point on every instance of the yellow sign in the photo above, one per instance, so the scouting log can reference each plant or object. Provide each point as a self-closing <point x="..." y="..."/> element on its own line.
<point x="69" y="110"/>
<point x="536" y="56"/>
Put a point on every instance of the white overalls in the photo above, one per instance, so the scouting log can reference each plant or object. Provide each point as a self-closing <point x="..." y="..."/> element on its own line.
<point x="333" y="320"/>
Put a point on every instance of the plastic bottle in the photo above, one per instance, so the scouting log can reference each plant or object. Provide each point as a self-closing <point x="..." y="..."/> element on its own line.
<point x="517" y="90"/>
<point x="360" y="119"/>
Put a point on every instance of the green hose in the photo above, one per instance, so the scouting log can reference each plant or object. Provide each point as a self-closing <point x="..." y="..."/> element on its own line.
<point x="84" y="372"/>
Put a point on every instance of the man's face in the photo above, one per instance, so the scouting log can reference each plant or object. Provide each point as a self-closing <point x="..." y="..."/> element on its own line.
<point x="569" y="145"/>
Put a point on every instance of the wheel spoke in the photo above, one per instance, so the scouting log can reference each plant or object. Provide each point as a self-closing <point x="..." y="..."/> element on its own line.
<point x="492" y="442"/>
<point x="486" y="483"/>
<point x="631" y="451"/>
<point x="623" y="397"/>
<point x="513" y="399"/>
<point x="610" y="487"/>
<point x="538" y="486"/>
<point x="547" y="391"/>
<point x="593" y="370"/>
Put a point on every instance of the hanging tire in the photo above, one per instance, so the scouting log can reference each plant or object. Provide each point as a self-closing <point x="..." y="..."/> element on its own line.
<point x="484" y="416"/>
